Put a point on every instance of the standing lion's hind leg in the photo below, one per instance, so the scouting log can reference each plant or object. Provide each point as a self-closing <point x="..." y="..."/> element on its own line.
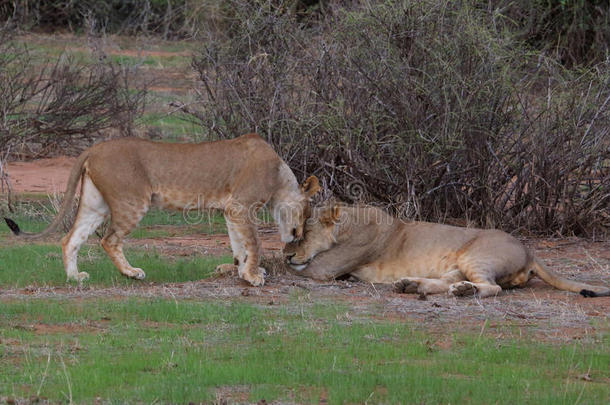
<point x="92" y="211"/>
<point x="123" y="221"/>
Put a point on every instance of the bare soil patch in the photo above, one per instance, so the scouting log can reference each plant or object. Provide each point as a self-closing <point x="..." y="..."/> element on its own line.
<point x="41" y="175"/>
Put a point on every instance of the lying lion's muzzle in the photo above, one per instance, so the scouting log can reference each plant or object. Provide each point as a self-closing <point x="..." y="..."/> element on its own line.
<point x="297" y="266"/>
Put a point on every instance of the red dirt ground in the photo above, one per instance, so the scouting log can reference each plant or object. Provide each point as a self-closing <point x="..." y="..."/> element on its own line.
<point x="40" y="176"/>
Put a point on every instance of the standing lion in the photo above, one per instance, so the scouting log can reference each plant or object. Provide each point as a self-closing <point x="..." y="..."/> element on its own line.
<point x="124" y="178"/>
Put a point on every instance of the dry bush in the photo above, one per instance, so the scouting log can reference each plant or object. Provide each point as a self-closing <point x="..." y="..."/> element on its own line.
<point x="574" y="32"/>
<point x="275" y="264"/>
<point x="63" y="105"/>
<point x="425" y="107"/>
<point x="169" y="19"/>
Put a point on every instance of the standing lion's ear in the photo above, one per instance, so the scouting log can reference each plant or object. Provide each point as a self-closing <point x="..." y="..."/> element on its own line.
<point x="311" y="186"/>
<point x="330" y="215"/>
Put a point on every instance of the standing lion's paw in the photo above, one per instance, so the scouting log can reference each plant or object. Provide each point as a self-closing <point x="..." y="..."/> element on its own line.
<point x="136" y="273"/>
<point x="463" y="289"/>
<point x="79" y="277"/>
<point x="133" y="272"/>
<point x="406" y="286"/>
<point x="226" y="269"/>
<point x="256" y="277"/>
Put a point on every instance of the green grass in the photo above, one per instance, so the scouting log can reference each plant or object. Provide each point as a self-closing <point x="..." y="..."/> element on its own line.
<point x="173" y="127"/>
<point x="34" y="215"/>
<point x="42" y="265"/>
<point x="53" y="50"/>
<point x="182" y="351"/>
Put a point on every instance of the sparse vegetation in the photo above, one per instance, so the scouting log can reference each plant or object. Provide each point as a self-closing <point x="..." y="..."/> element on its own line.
<point x="497" y="114"/>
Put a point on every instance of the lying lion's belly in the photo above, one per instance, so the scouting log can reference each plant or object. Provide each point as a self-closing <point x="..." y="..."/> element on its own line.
<point x="387" y="271"/>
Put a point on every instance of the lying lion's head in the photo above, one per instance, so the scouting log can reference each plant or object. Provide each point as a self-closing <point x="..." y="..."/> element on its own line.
<point x="319" y="235"/>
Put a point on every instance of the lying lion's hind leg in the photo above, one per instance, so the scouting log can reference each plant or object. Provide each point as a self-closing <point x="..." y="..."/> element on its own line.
<point x="477" y="281"/>
<point x="92" y="211"/>
<point x="122" y="224"/>
<point x="468" y="288"/>
<point x="425" y="286"/>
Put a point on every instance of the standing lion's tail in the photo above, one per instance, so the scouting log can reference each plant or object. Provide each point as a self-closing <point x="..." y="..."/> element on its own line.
<point x="75" y="175"/>
<point x="561" y="283"/>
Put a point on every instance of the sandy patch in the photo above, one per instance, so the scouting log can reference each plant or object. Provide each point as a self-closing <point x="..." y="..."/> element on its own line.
<point x="41" y="175"/>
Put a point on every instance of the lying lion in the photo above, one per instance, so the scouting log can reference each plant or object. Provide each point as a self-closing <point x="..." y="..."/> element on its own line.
<point x="123" y="178"/>
<point x="419" y="257"/>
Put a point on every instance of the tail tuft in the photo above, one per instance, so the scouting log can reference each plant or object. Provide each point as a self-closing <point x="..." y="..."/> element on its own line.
<point x="13" y="225"/>
<point x="592" y="294"/>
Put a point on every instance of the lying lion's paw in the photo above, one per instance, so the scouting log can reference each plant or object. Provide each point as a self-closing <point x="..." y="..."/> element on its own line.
<point x="406" y="286"/>
<point x="463" y="289"/>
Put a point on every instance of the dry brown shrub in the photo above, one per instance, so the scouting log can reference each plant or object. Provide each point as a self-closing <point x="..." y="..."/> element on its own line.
<point x="426" y="108"/>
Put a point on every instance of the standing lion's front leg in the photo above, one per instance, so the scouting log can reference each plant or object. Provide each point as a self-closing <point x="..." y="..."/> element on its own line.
<point x="244" y="242"/>
<point x="248" y="268"/>
<point x="237" y="244"/>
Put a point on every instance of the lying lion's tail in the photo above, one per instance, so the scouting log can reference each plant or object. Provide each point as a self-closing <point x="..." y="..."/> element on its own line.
<point x="75" y="176"/>
<point x="561" y="283"/>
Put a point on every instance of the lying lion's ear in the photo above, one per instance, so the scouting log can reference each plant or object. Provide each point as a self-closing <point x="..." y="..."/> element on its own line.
<point x="311" y="186"/>
<point x="330" y="216"/>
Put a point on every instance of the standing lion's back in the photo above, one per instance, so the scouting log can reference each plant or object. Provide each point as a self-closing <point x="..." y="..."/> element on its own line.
<point x="232" y="166"/>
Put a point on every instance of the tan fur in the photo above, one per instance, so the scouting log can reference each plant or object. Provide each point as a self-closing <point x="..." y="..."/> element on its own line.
<point x="124" y="178"/>
<point x="420" y="257"/>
